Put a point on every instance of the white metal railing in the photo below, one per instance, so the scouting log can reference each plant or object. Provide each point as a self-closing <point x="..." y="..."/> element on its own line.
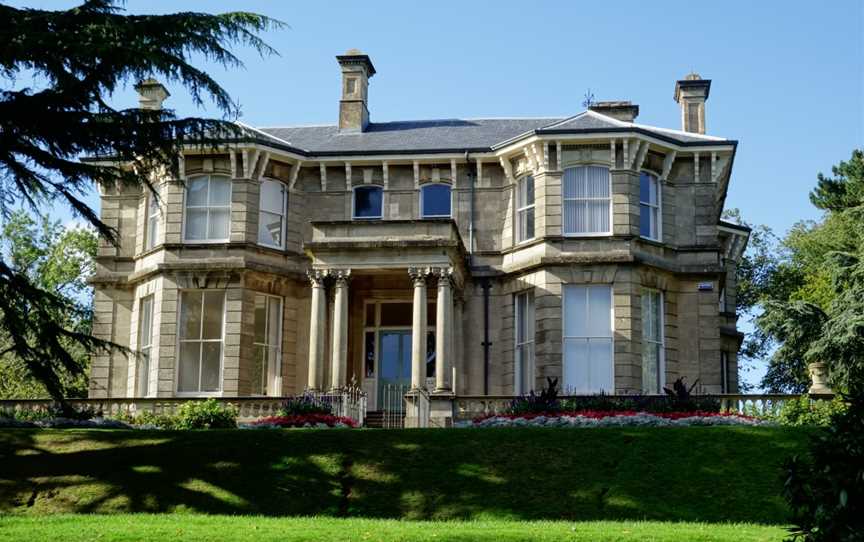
<point x="393" y="405"/>
<point x="349" y="402"/>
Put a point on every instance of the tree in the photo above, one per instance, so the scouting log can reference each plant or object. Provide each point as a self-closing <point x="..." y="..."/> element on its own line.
<point x="84" y="54"/>
<point x="60" y="260"/>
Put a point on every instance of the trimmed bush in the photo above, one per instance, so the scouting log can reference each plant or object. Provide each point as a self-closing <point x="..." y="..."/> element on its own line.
<point x="209" y="414"/>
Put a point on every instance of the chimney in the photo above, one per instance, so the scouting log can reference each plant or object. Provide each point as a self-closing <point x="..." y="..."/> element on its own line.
<point x="151" y="94"/>
<point x="621" y="110"/>
<point x="691" y="93"/>
<point x="356" y="71"/>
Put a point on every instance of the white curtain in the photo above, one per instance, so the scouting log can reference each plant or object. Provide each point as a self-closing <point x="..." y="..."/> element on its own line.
<point x="652" y="341"/>
<point x="587" y="200"/>
<point x="588" y="359"/>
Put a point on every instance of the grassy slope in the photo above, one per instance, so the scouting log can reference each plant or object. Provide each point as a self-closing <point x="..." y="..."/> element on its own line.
<point x="715" y="474"/>
<point x="258" y="529"/>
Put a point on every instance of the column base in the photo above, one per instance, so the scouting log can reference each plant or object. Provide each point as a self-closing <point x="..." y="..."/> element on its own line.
<point x="441" y="407"/>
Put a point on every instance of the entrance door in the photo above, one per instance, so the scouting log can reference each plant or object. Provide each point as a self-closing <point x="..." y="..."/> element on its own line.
<point x="394" y="368"/>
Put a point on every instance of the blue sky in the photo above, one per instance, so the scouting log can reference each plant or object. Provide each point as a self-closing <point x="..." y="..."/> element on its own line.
<point x="788" y="77"/>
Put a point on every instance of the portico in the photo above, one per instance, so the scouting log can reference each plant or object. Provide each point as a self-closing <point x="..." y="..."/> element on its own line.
<point x="363" y="279"/>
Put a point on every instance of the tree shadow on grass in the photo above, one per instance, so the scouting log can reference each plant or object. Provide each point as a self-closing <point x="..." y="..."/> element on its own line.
<point x="677" y="474"/>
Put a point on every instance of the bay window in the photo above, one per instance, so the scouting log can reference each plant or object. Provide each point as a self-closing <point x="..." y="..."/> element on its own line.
<point x="525" y="209"/>
<point x="588" y="350"/>
<point x="266" y="367"/>
<point x="650" y="216"/>
<point x="524" y="347"/>
<point x="145" y="346"/>
<point x="208" y="208"/>
<point x="202" y="315"/>
<point x="587" y="201"/>
<point x="151" y="229"/>
<point x="271" y="214"/>
<point x="652" y="342"/>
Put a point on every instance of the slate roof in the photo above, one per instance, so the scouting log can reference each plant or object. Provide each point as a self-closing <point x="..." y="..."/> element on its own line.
<point x="456" y="135"/>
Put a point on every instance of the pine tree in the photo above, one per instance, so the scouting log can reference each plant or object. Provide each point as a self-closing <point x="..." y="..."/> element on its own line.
<point x="84" y="54"/>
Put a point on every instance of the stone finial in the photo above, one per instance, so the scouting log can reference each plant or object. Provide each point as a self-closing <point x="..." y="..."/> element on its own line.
<point x="151" y="94"/>
<point x="818" y="377"/>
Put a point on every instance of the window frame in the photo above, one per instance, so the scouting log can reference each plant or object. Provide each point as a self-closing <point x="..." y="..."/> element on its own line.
<point x="142" y="387"/>
<point x="661" y="344"/>
<point x="151" y="221"/>
<point x="354" y="202"/>
<point x="277" y="370"/>
<point x="209" y="207"/>
<point x="724" y="372"/>
<point x="657" y="208"/>
<point x="519" y="348"/>
<point x="522" y="210"/>
<point x="423" y="188"/>
<point x="283" y="215"/>
<point x="180" y="340"/>
<point x="564" y="199"/>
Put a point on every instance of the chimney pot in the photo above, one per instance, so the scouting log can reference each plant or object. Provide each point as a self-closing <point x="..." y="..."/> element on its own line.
<point x="151" y="94"/>
<point x="692" y="93"/>
<point x="619" y="109"/>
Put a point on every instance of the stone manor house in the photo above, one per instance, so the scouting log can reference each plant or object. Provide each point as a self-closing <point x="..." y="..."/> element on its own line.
<point x="457" y="256"/>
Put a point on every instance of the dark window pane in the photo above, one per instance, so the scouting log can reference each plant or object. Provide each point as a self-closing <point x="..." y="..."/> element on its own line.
<point x="430" y="354"/>
<point x="367" y="202"/>
<point x="529" y="223"/>
<point x="645" y="221"/>
<point x="436" y="200"/>
<point x="370" y="314"/>
<point x="644" y="187"/>
<point x="529" y="191"/>
<point x="370" y="352"/>
<point x="396" y="314"/>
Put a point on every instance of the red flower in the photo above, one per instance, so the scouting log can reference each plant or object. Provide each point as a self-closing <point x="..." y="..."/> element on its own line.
<point x="300" y="420"/>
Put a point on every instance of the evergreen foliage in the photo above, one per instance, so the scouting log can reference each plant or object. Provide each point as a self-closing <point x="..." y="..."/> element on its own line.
<point x="84" y="55"/>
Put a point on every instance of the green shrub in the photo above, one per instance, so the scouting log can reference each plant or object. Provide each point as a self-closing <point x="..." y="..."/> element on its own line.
<point x="806" y="412"/>
<point x="826" y="489"/>
<point x="146" y="417"/>
<point x="209" y="414"/>
<point x="641" y="403"/>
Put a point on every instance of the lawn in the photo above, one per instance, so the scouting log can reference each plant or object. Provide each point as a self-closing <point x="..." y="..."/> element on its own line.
<point x="694" y="474"/>
<point x="158" y="528"/>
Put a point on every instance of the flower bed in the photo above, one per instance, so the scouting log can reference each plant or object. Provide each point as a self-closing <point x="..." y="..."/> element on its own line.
<point x="613" y="418"/>
<point x="301" y="420"/>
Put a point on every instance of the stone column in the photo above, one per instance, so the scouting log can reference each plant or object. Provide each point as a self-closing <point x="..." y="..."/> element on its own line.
<point x="317" y="328"/>
<point x="443" y="331"/>
<point x="339" y="346"/>
<point x="418" y="329"/>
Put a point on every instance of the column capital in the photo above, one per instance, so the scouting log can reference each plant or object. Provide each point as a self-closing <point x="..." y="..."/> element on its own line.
<point x="418" y="274"/>
<point x="444" y="275"/>
<point x="317" y="277"/>
<point x="340" y="276"/>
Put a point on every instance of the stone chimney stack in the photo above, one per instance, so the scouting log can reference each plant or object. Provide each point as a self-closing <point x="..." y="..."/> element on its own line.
<point x="691" y="93"/>
<point x="356" y="68"/>
<point x="151" y="94"/>
<point x="621" y="110"/>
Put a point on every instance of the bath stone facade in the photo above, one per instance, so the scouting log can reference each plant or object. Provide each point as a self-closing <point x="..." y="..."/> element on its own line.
<point x="457" y="257"/>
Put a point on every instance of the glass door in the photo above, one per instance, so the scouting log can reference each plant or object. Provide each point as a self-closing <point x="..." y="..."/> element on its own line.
<point x="394" y="365"/>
